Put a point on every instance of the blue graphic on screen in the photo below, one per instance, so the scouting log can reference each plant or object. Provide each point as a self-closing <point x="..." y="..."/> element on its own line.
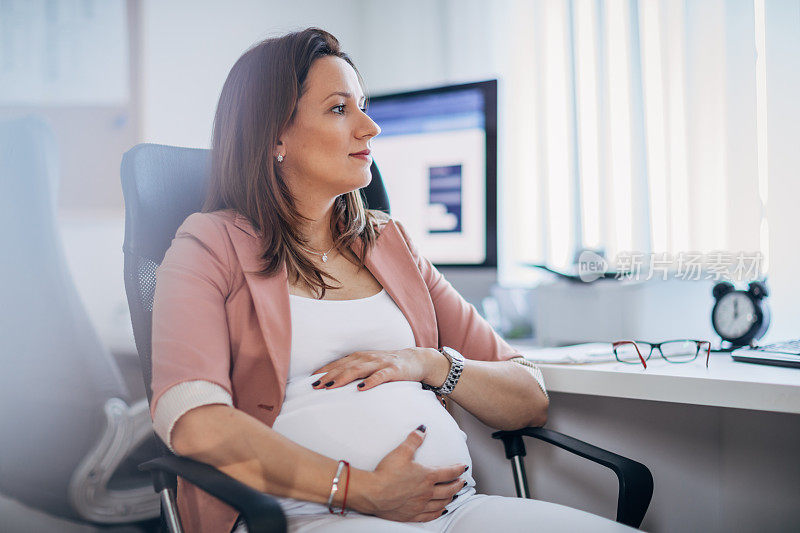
<point x="444" y="199"/>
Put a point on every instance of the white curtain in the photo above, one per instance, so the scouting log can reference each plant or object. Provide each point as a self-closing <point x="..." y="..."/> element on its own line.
<point x="630" y="127"/>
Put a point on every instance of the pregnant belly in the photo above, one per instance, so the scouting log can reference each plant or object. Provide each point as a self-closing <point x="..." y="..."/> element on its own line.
<point x="363" y="426"/>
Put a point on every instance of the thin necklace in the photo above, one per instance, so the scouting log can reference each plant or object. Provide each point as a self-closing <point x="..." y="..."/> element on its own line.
<point x="324" y="254"/>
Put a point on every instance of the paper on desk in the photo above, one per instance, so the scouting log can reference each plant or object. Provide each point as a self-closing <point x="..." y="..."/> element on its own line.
<point x="592" y="352"/>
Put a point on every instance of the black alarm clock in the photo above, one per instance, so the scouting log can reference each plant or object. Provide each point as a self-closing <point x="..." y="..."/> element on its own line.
<point x="740" y="317"/>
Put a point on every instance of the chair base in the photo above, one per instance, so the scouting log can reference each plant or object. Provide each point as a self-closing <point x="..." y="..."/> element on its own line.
<point x="126" y="429"/>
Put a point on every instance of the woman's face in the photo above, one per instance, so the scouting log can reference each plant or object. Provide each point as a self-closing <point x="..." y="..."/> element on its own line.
<point x="327" y="129"/>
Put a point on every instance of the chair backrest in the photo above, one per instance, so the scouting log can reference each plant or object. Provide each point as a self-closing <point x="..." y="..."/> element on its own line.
<point x="162" y="185"/>
<point x="56" y="376"/>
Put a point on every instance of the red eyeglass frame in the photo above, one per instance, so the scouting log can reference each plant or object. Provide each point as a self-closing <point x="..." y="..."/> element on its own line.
<point x="654" y="345"/>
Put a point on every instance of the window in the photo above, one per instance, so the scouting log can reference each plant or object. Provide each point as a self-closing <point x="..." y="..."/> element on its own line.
<point x="645" y="134"/>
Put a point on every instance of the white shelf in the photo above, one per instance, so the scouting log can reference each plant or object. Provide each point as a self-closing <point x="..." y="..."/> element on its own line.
<point x="725" y="383"/>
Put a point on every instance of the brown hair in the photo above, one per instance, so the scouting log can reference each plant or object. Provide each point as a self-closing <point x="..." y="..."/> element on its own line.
<point x="257" y="103"/>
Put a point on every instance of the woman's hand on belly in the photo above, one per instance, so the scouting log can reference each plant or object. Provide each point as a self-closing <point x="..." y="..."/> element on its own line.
<point x="362" y="427"/>
<point x="379" y="366"/>
<point x="406" y="491"/>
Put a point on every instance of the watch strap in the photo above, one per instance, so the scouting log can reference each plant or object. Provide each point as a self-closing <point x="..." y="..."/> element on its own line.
<point x="456" y="368"/>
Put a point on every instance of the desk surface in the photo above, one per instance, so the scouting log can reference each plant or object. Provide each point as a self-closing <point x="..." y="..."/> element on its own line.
<point x="725" y="383"/>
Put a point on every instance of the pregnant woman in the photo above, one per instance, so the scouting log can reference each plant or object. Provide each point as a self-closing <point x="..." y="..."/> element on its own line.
<point x="302" y="345"/>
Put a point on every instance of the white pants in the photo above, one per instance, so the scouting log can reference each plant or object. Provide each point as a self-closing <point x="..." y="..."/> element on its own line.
<point x="478" y="514"/>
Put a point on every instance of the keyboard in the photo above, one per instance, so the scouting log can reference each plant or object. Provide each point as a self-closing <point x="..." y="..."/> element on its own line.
<point x="787" y="347"/>
<point x="786" y="353"/>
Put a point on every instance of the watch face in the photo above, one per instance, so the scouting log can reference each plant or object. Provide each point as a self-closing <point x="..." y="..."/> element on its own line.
<point x="734" y="315"/>
<point x="452" y="354"/>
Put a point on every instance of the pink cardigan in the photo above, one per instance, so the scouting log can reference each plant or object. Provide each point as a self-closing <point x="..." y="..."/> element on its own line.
<point x="215" y="319"/>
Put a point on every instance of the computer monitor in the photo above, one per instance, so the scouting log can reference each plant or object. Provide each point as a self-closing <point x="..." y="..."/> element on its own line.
<point x="437" y="154"/>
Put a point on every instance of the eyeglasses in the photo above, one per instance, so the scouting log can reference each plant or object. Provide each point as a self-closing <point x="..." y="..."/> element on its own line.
<point x="677" y="351"/>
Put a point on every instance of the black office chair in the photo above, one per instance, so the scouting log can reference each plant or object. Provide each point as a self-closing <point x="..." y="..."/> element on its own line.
<point x="163" y="185"/>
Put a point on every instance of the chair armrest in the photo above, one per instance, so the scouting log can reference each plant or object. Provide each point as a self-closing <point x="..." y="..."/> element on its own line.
<point x="635" y="479"/>
<point x="261" y="511"/>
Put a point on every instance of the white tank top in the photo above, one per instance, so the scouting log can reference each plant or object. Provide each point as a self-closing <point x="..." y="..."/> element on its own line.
<point x="347" y="423"/>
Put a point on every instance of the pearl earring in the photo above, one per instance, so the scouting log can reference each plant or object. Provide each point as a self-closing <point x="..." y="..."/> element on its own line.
<point x="280" y="159"/>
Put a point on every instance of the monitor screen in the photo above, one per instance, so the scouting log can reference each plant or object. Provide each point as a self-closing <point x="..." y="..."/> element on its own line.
<point x="437" y="156"/>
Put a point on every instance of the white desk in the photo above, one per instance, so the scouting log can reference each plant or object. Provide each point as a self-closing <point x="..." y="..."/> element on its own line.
<point x="725" y="383"/>
<point x="721" y="442"/>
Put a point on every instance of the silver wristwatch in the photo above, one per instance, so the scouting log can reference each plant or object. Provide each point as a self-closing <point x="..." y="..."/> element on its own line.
<point x="456" y="367"/>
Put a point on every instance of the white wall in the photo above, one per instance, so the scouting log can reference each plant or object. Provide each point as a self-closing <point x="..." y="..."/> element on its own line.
<point x="189" y="46"/>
